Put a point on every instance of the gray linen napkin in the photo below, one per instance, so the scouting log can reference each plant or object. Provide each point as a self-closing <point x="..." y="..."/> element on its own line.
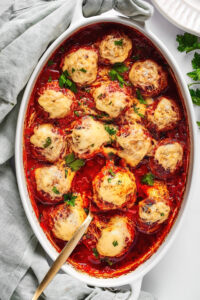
<point x="26" y="30"/>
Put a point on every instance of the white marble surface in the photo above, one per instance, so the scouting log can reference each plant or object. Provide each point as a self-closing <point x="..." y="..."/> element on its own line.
<point x="177" y="276"/>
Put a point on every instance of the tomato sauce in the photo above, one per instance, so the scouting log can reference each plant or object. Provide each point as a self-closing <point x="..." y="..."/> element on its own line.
<point x="144" y="245"/>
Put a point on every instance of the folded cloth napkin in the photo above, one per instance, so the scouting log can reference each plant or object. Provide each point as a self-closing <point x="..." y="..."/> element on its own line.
<point x="26" y="30"/>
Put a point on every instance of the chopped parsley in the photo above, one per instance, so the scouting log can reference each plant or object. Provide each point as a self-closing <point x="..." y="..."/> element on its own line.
<point x="110" y="171"/>
<point x="187" y="42"/>
<point x="110" y="130"/>
<point x="47" y="142"/>
<point x="162" y="214"/>
<point x="76" y="113"/>
<point x="73" y="70"/>
<point x="109" y="180"/>
<point x="109" y="262"/>
<point x="83" y="70"/>
<point x="86" y="210"/>
<point x="55" y="190"/>
<point x="116" y="71"/>
<point x="198" y="123"/>
<point x="119" y="42"/>
<point x="139" y="97"/>
<point x="64" y="81"/>
<point x="136" y="110"/>
<point x="148" y="179"/>
<point x="50" y="79"/>
<point x="115" y="243"/>
<point x="50" y="62"/>
<point x="95" y="252"/>
<point x="69" y="198"/>
<point x="119" y="182"/>
<point x="66" y="173"/>
<point x="99" y="96"/>
<point x="73" y="163"/>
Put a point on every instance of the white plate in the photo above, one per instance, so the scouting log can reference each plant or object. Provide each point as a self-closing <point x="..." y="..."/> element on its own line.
<point x="183" y="13"/>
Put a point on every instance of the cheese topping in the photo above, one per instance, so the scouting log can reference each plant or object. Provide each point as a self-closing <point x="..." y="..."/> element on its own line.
<point x="158" y="191"/>
<point x="153" y="211"/>
<point x="169" y="156"/>
<point x="68" y="219"/>
<point x="81" y="65"/>
<point x="115" y="49"/>
<point x="116" y="189"/>
<point x="165" y="114"/>
<point x="53" y="180"/>
<point x="88" y="136"/>
<point x="49" y="140"/>
<point x="110" y="98"/>
<point x="56" y="103"/>
<point x="135" y="143"/>
<point x="114" y="237"/>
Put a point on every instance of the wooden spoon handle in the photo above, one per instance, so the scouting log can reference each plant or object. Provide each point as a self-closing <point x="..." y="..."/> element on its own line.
<point x="63" y="256"/>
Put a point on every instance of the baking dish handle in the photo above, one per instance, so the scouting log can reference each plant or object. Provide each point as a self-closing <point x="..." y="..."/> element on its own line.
<point x="135" y="289"/>
<point x="145" y="12"/>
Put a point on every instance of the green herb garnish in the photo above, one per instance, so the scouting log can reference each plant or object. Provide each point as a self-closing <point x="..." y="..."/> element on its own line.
<point x="55" y="190"/>
<point x="198" y="123"/>
<point x="110" y="130"/>
<point x="109" y="180"/>
<point x="187" y="42"/>
<point x="50" y="79"/>
<point x="50" y="62"/>
<point x="116" y="71"/>
<point x="115" y="243"/>
<point x="110" y="171"/>
<point x="47" y="142"/>
<point x="136" y="110"/>
<point x="73" y="163"/>
<point x="69" y="158"/>
<point x="119" y="182"/>
<point x="148" y="179"/>
<point x="83" y="70"/>
<point x="76" y="113"/>
<point x="162" y="214"/>
<point x="95" y="252"/>
<point x="139" y="97"/>
<point x="73" y="70"/>
<point x="69" y="198"/>
<point x="195" y="94"/>
<point x="64" y="81"/>
<point x="119" y="42"/>
<point x="66" y="173"/>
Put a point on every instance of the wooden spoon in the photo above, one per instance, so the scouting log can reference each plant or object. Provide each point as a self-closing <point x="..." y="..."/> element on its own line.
<point x="63" y="256"/>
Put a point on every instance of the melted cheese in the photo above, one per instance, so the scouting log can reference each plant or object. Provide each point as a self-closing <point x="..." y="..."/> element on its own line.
<point x="68" y="219"/>
<point x="44" y="133"/>
<point x="81" y="65"/>
<point x="135" y="114"/>
<point x="136" y="144"/>
<point x="116" y="189"/>
<point x="169" y="156"/>
<point x="114" y="237"/>
<point x="165" y="114"/>
<point x="144" y="74"/>
<point x="158" y="191"/>
<point x="153" y="211"/>
<point x="56" y="103"/>
<point x="89" y="136"/>
<point x="53" y="178"/>
<point x="112" y="52"/>
<point x="110" y="98"/>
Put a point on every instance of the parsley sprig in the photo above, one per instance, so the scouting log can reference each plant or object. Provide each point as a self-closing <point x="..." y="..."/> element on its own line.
<point x="73" y="163"/>
<point x="148" y="179"/>
<point x="110" y="130"/>
<point x="140" y="98"/>
<point x="116" y="73"/>
<point x="187" y="42"/>
<point x="65" y="81"/>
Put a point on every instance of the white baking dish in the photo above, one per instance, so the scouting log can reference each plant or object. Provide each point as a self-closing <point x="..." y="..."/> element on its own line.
<point x="134" y="278"/>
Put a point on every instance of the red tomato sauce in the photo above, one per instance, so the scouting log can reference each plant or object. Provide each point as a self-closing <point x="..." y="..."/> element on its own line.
<point x="144" y="245"/>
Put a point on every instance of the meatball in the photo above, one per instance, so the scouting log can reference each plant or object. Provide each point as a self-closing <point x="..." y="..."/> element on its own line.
<point x="158" y="191"/>
<point x="136" y="113"/>
<point x="163" y="115"/>
<point x="151" y="213"/>
<point x="149" y="77"/>
<point x="168" y="157"/>
<point x="112" y="236"/>
<point x="114" y="187"/>
<point x="48" y="142"/>
<point x="115" y="48"/>
<point x="135" y="143"/>
<point x="52" y="182"/>
<point x="81" y="65"/>
<point x="56" y="101"/>
<point x="111" y="98"/>
<point x="88" y="135"/>
<point x="64" y="219"/>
